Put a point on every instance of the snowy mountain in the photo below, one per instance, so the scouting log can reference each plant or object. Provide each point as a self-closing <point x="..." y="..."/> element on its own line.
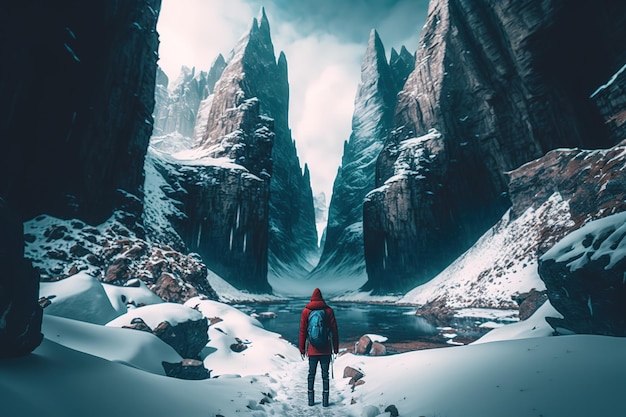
<point x="239" y="216"/>
<point x="177" y="104"/>
<point x="342" y="253"/>
<point x="254" y="73"/>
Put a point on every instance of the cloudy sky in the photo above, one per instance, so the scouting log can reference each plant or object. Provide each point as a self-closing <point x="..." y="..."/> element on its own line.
<point x="324" y="41"/>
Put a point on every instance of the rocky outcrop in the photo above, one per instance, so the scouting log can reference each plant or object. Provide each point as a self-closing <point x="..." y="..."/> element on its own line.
<point x="584" y="274"/>
<point x="254" y="75"/>
<point x="371" y="122"/>
<point x="551" y="197"/>
<point x="494" y="80"/>
<point x="114" y="254"/>
<point x="187" y="338"/>
<point x="76" y="113"/>
<point x="591" y="182"/>
<point x="20" y="313"/>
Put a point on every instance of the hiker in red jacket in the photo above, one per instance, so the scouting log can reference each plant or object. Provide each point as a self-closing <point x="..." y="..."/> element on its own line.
<point x="322" y="340"/>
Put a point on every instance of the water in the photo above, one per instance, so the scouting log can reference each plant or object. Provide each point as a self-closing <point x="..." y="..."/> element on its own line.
<point x="397" y="323"/>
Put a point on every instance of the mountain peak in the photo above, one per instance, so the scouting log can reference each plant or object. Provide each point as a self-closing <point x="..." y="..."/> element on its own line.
<point x="374" y="38"/>
<point x="394" y="54"/>
<point x="263" y="22"/>
<point x="374" y="55"/>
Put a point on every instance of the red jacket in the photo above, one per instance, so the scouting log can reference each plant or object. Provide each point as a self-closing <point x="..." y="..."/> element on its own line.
<point x="318" y="303"/>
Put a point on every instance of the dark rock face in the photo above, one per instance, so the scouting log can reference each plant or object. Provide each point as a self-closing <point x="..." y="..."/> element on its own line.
<point x="610" y="99"/>
<point x="223" y="217"/>
<point x="495" y="80"/>
<point x="76" y="105"/>
<point x="254" y="74"/>
<point x="584" y="275"/>
<point x="371" y="122"/>
<point x="20" y="313"/>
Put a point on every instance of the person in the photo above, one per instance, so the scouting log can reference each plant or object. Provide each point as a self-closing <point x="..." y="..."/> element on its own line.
<point x="322" y="355"/>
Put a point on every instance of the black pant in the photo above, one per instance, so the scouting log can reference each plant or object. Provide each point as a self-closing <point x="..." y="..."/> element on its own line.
<point x="324" y="362"/>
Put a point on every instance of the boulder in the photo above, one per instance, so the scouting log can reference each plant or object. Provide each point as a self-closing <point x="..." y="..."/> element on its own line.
<point x="187" y="338"/>
<point x="363" y="346"/>
<point x="378" y="349"/>
<point x="584" y="276"/>
<point x="238" y="346"/>
<point x="392" y="410"/>
<point x="173" y="290"/>
<point x="529" y="302"/>
<point x="187" y="369"/>
<point x="355" y="376"/>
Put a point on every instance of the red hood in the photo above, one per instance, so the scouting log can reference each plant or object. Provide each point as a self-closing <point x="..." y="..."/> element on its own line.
<point x="317" y="301"/>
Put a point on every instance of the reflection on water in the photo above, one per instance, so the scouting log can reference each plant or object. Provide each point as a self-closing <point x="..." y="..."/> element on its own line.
<point x="397" y="323"/>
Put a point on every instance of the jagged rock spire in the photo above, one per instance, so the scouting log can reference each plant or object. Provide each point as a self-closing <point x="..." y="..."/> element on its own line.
<point x="402" y="65"/>
<point x="264" y="24"/>
<point x="372" y="118"/>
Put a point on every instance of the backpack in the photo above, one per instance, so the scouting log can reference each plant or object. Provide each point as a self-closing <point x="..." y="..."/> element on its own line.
<point x="317" y="329"/>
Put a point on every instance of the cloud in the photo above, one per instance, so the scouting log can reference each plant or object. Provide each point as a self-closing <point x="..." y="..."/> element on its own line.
<point x="323" y="75"/>
<point x="194" y="32"/>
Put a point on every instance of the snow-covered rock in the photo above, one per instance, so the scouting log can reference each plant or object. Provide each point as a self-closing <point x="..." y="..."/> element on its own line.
<point x="181" y="327"/>
<point x="585" y="274"/>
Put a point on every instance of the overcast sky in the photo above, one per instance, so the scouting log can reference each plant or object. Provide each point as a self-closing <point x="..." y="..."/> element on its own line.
<point x="324" y="42"/>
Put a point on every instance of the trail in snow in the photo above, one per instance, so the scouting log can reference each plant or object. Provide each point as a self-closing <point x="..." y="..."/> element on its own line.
<point x="290" y="385"/>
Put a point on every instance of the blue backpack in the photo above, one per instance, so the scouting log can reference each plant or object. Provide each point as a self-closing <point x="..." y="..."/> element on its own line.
<point x="317" y="330"/>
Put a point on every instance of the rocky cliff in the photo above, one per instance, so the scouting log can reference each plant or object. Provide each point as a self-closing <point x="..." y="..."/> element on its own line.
<point x="77" y="104"/>
<point x="217" y="207"/>
<point x="371" y="122"/>
<point x="497" y="84"/>
<point x="253" y="73"/>
<point x="75" y="121"/>
<point x="237" y="195"/>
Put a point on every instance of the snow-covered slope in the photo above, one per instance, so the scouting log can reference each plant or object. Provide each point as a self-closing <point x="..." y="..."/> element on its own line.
<point x="502" y="263"/>
<point x="516" y="371"/>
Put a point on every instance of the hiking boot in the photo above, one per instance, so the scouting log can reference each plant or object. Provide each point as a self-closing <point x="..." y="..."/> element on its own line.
<point x="311" y="397"/>
<point x="325" y="399"/>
